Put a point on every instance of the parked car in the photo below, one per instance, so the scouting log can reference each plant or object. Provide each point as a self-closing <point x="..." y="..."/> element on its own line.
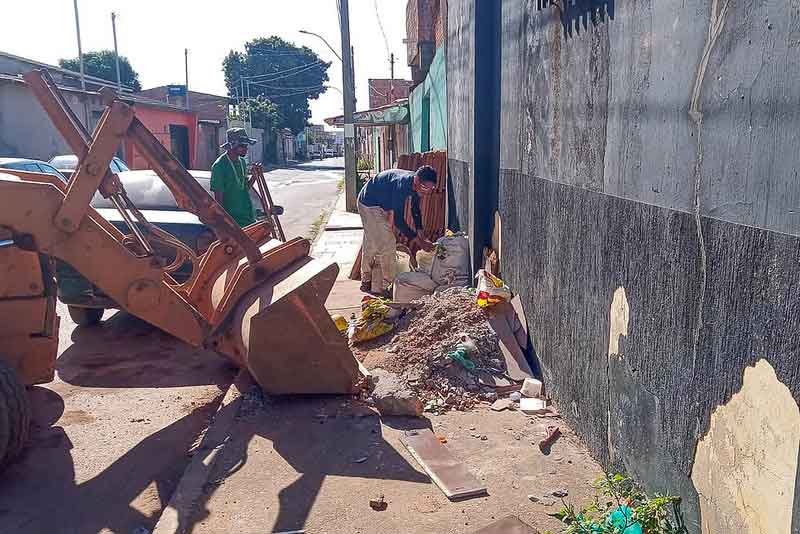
<point x="86" y="302"/>
<point x="330" y="153"/>
<point x="31" y="165"/>
<point x="67" y="164"/>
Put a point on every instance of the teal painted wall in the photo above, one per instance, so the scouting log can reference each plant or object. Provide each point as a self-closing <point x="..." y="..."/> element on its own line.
<point x="430" y="98"/>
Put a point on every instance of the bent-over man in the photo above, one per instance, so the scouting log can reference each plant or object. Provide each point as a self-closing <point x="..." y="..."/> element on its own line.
<point x="381" y="202"/>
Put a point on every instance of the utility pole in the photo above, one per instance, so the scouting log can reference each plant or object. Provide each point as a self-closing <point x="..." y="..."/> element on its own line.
<point x="186" y="68"/>
<point x="391" y="65"/>
<point x="80" y="62"/>
<point x="349" y="108"/>
<point x="116" y="51"/>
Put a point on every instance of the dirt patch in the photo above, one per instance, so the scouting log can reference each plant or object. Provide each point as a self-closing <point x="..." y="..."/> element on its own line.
<point x="76" y="417"/>
<point x="420" y="349"/>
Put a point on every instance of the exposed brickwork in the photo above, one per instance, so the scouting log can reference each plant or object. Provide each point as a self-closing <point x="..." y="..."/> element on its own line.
<point x="384" y="91"/>
<point x="426" y="30"/>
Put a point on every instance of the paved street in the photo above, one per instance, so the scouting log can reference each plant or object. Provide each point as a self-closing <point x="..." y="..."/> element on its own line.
<point x="111" y="435"/>
<point x="305" y="191"/>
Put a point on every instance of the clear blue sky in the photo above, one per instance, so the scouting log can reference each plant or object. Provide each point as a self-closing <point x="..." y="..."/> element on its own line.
<point x="153" y="34"/>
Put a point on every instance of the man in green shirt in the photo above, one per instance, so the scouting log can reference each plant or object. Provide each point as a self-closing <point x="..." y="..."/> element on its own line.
<point x="229" y="177"/>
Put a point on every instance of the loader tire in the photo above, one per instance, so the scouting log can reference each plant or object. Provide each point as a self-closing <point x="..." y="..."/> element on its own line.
<point x="85" y="316"/>
<point x="15" y="415"/>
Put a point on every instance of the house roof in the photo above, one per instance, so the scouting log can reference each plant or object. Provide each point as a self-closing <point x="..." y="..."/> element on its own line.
<point x="127" y="97"/>
<point x="66" y="72"/>
<point x="395" y="113"/>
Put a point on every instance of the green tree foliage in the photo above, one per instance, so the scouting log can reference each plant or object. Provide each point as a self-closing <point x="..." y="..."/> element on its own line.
<point x="289" y="76"/>
<point x="102" y="64"/>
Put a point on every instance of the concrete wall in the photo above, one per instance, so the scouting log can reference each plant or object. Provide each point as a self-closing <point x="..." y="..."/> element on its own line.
<point x="434" y="89"/>
<point x="26" y="130"/>
<point x="460" y="109"/>
<point x="668" y="345"/>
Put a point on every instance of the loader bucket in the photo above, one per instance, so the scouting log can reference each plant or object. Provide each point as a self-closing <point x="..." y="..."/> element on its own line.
<point x="282" y="333"/>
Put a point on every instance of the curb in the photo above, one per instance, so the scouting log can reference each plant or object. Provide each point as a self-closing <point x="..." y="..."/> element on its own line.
<point x="177" y="514"/>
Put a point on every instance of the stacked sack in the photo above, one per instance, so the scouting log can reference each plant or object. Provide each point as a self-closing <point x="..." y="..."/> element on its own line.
<point x="446" y="266"/>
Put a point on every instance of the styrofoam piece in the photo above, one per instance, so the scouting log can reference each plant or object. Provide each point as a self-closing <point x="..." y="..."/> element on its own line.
<point x="532" y="406"/>
<point x="531" y="388"/>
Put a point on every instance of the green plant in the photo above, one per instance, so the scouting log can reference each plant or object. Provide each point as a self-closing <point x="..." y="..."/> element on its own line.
<point x="364" y="164"/>
<point x="620" y="507"/>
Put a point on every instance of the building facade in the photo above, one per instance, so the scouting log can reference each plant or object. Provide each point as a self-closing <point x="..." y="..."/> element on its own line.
<point x="426" y="41"/>
<point x="643" y="201"/>
<point x="212" y="120"/>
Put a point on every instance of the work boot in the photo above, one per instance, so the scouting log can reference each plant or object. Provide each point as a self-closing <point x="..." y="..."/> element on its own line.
<point x="366" y="286"/>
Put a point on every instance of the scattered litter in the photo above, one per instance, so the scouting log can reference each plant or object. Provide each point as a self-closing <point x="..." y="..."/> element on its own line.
<point x="560" y="493"/>
<point x="514" y="396"/>
<point x="533" y="498"/>
<point x="372" y="322"/>
<point x="379" y="503"/>
<point x="423" y="338"/>
<point x="441" y="439"/>
<point x="533" y="406"/>
<point x="361" y="460"/>
<point x="502" y="404"/>
<point x="531" y="388"/>
<point x="553" y="432"/>
<point x="491" y="290"/>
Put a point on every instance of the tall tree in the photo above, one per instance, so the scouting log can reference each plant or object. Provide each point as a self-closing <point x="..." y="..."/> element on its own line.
<point x="102" y="64"/>
<point x="287" y="75"/>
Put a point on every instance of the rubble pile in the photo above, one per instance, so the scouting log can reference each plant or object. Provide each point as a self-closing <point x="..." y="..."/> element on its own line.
<point x="417" y="353"/>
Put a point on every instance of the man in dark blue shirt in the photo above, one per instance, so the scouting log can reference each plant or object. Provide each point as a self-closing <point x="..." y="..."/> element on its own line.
<point x="381" y="203"/>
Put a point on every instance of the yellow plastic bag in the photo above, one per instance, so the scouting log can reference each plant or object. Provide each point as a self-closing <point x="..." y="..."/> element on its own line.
<point x="491" y="290"/>
<point x="372" y="322"/>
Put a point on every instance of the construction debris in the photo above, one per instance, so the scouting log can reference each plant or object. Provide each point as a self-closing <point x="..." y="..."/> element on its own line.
<point x="379" y="503"/>
<point x="502" y="404"/>
<point x="446" y="471"/>
<point x="424" y="352"/>
<point x="553" y="433"/>
<point x="391" y="395"/>
<point x="532" y="406"/>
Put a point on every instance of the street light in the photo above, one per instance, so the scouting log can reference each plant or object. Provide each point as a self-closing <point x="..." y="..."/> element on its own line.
<point x="321" y="38"/>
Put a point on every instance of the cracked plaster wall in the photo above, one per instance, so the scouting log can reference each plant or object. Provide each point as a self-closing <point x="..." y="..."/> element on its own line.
<point x="746" y="464"/>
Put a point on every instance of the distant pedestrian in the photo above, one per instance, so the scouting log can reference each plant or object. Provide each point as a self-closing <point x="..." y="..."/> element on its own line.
<point x="381" y="204"/>
<point x="229" y="177"/>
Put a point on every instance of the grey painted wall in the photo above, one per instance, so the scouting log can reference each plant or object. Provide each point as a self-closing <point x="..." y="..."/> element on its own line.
<point x="602" y="172"/>
<point x="460" y="108"/>
<point x="25" y="129"/>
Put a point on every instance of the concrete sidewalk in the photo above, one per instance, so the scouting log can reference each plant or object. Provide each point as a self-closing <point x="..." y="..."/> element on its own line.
<point x="341" y="239"/>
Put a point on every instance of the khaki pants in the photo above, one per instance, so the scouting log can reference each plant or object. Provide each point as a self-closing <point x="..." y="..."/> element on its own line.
<point x="379" y="244"/>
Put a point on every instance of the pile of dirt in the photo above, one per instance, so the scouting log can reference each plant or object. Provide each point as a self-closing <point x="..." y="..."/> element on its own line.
<point x="417" y="351"/>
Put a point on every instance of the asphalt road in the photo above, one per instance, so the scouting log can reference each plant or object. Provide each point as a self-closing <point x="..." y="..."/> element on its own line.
<point x="305" y="191"/>
<point x="112" y="434"/>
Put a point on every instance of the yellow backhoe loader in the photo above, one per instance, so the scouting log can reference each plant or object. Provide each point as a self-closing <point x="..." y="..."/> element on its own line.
<point x="251" y="297"/>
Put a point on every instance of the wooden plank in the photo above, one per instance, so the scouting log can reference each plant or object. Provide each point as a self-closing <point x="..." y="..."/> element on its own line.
<point x="446" y="471"/>
<point x="508" y="525"/>
<point x="502" y="319"/>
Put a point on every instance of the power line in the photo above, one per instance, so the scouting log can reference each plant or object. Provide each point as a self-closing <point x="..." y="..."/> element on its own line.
<point x="298" y="68"/>
<point x="380" y="25"/>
